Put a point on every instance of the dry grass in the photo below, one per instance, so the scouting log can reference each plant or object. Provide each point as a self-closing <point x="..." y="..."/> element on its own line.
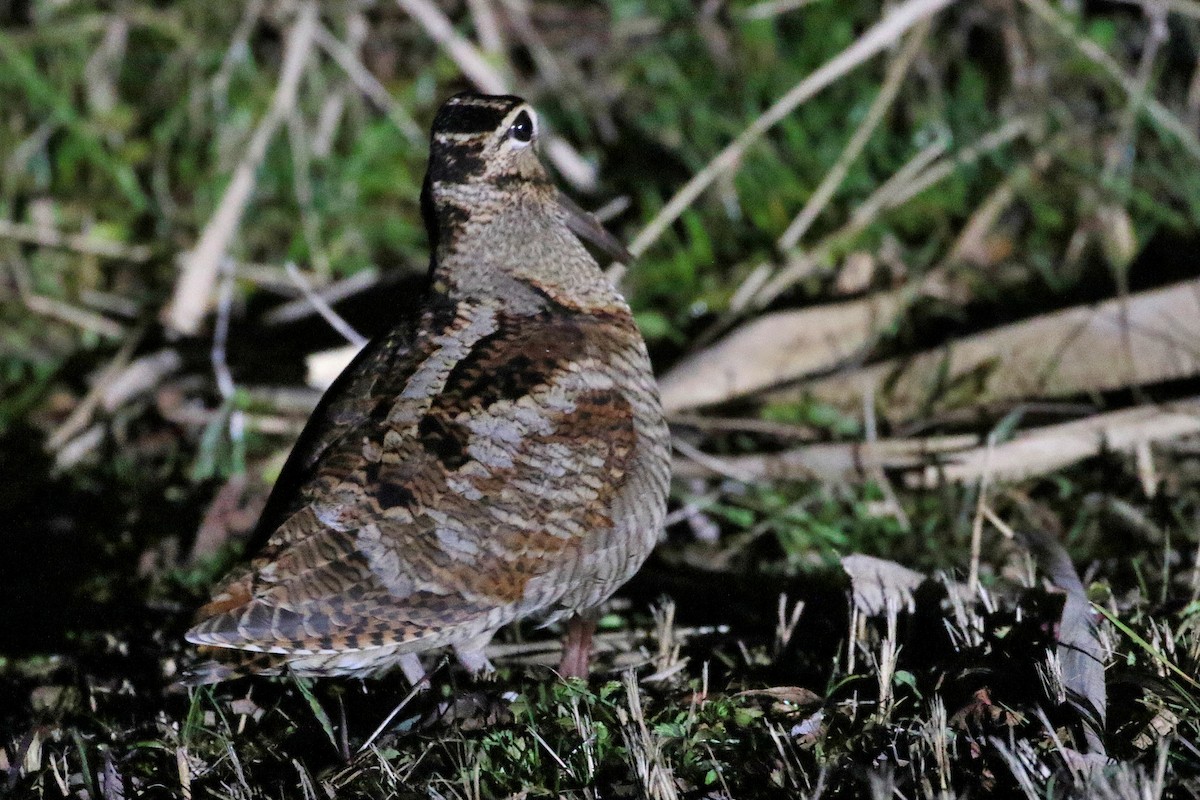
<point x="886" y="261"/>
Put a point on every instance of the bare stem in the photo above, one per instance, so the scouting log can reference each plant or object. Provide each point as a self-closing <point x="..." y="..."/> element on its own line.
<point x="875" y="39"/>
<point x="193" y="291"/>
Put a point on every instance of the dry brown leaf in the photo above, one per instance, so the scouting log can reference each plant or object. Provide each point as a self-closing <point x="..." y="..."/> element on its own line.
<point x="231" y="513"/>
<point x="1151" y="336"/>
<point x="777" y="347"/>
<point x="1042" y="450"/>
<point x="878" y="584"/>
<point x="788" y="698"/>
<point x="1080" y="651"/>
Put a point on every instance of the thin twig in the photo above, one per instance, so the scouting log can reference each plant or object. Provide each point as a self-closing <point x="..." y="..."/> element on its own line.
<point x="985" y="482"/>
<point x="1185" y="8"/>
<point x="773" y="8"/>
<point x="193" y="291"/>
<point x="570" y="164"/>
<point x="873" y="467"/>
<point x="20" y="155"/>
<point x="487" y="27"/>
<point x="875" y="114"/>
<point x="323" y="308"/>
<point x="303" y="306"/>
<point x="225" y="384"/>
<point x="302" y="187"/>
<point x="413" y="692"/>
<point x="472" y="63"/>
<point x="1166" y="121"/>
<point x="345" y="57"/>
<point x="237" y="52"/>
<point x="717" y="465"/>
<point x="559" y="74"/>
<point x="81" y="416"/>
<point x="897" y="190"/>
<point x="73" y="315"/>
<point x="60" y="309"/>
<point x="102" y="69"/>
<point x="905" y="184"/>
<point x="76" y="242"/>
<point x="1121" y="155"/>
<point x="872" y="41"/>
<point x="1193" y="97"/>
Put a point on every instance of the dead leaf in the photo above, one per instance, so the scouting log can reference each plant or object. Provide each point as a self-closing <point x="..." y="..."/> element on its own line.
<point x="980" y="710"/>
<point x="878" y="584"/>
<point x="112" y="785"/>
<point x="1079" y="649"/>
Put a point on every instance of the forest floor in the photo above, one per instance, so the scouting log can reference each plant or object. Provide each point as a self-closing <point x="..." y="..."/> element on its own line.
<point x="920" y="283"/>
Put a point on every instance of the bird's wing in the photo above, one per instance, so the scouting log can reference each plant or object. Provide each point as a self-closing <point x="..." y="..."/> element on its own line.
<point x="379" y="368"/>
<point x="478" y="486"/>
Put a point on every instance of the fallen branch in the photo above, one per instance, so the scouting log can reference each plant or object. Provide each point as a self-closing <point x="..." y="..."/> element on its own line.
<point x="193" y="292"/>
<point x="777" y="347"/>
<point x="1045" y="449"/>
<point x="836" y="462"/>
<point x="1149" y="337"/>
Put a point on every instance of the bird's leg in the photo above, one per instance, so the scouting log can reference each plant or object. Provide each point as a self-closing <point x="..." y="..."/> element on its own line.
<point x="577" y="647"/>
<point x="471" y="656"/>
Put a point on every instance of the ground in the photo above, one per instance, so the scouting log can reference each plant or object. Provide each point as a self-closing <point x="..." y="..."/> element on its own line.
<point x="926" y="329"/>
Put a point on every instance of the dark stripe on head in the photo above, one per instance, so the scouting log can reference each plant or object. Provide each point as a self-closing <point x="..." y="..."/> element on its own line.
<point x="462" y="129"/>
<point x="473" y="113"/>
<point x="454" y="163"/>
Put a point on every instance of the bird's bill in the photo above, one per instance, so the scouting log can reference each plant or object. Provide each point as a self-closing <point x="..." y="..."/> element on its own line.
<point x="585" y="225"/>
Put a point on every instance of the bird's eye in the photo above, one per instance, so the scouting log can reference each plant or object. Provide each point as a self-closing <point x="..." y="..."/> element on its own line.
<point x="522" y="128"/>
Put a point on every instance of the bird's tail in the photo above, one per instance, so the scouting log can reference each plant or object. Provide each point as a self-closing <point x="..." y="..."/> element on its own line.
<point x="217" y="664"/>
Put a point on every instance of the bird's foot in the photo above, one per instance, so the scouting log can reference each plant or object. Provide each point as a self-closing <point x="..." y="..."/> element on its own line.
<point x="474" y="661"/>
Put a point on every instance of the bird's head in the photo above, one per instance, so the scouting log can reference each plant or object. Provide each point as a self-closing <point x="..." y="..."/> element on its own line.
<point x="489" y="204"/>
<point x="479" y="138"/>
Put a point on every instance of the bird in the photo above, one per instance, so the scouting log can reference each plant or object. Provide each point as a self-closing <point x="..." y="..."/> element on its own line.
<point x="500" y="455"/>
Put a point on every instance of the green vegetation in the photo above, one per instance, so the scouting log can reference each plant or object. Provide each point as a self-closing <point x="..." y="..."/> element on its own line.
<point x="1034" y="157"/>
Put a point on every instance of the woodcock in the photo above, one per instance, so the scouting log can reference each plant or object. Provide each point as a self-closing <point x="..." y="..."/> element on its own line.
<point x="503" y="455"/>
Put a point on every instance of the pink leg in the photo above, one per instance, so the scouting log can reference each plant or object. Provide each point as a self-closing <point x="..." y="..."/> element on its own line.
<point x="472" y="657"/>
<point x="577" y="647"/>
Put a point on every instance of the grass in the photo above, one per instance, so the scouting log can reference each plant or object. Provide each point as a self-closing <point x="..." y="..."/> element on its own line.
<point x="739" y="663"/>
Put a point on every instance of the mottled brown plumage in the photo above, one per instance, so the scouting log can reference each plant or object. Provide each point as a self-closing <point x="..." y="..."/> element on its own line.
<point x="501" y="456"/>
